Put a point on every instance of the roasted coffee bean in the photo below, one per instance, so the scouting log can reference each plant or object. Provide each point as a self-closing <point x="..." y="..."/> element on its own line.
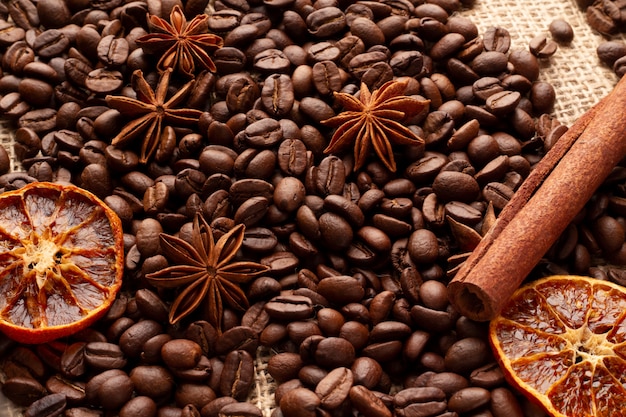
<point x="367" y="403"/>
<point x="542" y="47"/>
<point x="139" y="406"/>
<point x="181" y="353"/>
<point x="420" y="401"/>
<point x="237" y="376"/>
<point x="132" y="340"/>
<point x="101" y="355"/>
<point x="334" y="388"/>
<point x="116" y="391"/>
<point x="497" y="38"/>
<point x="610" y="51"/>
<point x="277" y="94"/>
<point x="240" y="409"/>
<point x="74" y="391"/>
<point x="504" y="403"/>
<point x="459" y="359"/>
<point x="50" y="43"/>
<point x="153" y="381"/>
<point x="194" y="395"/>
<point x="23" y="390"/>
<point x="561" y="31"/>
<point x="51" y="405"/>
<point x="468" y="399"/>
<point x="284" y="366"/>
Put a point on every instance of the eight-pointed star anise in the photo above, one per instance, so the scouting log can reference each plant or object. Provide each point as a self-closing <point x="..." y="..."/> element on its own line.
<point x="205" y="271"/>
<point x="151" y="111"/>
<point x="374" y="120"/>
<point x="183" y="44"/>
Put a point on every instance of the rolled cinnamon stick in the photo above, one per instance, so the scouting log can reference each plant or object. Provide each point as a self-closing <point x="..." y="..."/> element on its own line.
<point x="544" y="205"/>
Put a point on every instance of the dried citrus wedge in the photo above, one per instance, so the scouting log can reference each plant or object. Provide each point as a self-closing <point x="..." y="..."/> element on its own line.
<point x="61" y="261"/>
<point x="562" y="341"/>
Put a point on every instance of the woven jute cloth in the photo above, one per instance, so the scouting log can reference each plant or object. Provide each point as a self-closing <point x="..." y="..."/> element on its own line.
<point x="578" y="76"/>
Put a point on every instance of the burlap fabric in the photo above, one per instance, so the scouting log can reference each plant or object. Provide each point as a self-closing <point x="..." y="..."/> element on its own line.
<point x="575" y="71"/>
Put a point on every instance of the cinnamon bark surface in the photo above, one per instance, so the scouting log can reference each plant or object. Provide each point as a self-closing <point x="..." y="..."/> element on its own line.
<point x="551" y="196"/>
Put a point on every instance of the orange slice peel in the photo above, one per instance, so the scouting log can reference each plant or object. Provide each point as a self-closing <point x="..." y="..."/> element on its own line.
<point x="61" y="261"/>
<point x="561" y="341"/>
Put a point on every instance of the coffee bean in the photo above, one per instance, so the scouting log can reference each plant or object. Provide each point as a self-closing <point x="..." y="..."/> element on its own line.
<point x="610" y="51"/>
<point x="23" y="390"/>
<point x="237" y="375"/>
<point x="468" y="399"/>
<point x="240" y="410"/>
<point x="334" y="388"/>
<point x="542" y="47"/>
<point x="153" y="381"/>
<point x="459" y="359"/>
<point x="49" y="406"/>
<point x="299" y="402"/>
<point x="367" y="402"/>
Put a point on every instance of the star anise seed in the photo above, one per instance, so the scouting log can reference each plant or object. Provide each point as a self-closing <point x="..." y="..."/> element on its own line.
<point x="206" y="272"/>
<point x="183" y="45"/>
<point x="374" y="120"/>
<point x="151" y="112"/>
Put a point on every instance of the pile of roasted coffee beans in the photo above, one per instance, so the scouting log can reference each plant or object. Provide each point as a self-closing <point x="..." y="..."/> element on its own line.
<point x="353" y="314"/>
<point x="608" y="17"/>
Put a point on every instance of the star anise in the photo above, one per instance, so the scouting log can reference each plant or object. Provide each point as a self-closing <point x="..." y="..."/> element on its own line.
<point x="151" y="112"/>
<point x="183" y="44"/>
<point x="374" y="120"/>
<point x="206" y="272"/>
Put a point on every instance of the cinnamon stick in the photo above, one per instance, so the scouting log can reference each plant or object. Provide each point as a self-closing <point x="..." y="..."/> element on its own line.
<point x="544" y="205"/>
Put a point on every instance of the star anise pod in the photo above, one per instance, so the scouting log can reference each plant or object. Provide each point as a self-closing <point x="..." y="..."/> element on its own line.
<point x="374" y="120"/>
<point x="183" y="44"/>
<point x="206" y="272"/>
<point x="151" y="112"/>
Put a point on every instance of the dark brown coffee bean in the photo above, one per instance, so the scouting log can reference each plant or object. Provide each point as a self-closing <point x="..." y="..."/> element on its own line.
<point x="333" y="352"/>
<point x="334" y="388"/>
<point x="284" y="366"/>
<point x="610" y="51"/>
<point x="115" y="391"/>
<point x="367" y="403"/>
<point x="425" y="401"/>
<point x="153" y="381"/>
<point x="459" y="360"/>
<point x="599" y="20"/>
<point x="238" y="374"/>
<point x="51" y="405"/>
<point x="499" y="194"/>
<point x="299" y="402"/>
<point x="325" y="22"/>
<point x="468" y="399"/>
<point x="132" y="340"/>
<point x="194" y="395"/>
<point x="504" y="403"/>
<point x="341" y="289"/>
<point x="23" y="390"/>
<point x="561" y="31"/>
<point x="542" y="47"/>
<point x="181" y="353"/>
<point x="524" y="63"/>
<point x="140" y="406"/>
<point x="241" y="409"/>
<point x="50" y="43"/>
<point x="497" y="38"/>
<point x="277" y="94"/>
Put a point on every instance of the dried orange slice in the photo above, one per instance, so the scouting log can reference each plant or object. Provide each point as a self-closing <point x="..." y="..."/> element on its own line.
<point x="61" y="261"/>
<point x="562" y="341"/>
